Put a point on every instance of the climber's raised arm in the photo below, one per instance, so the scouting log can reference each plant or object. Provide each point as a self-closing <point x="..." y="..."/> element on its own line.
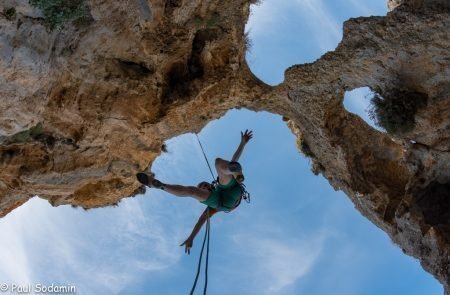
<point x="245" y="138"/>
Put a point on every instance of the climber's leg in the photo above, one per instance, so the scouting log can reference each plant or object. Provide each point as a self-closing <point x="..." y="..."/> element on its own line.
<point x="187" y="191"/>
<point x="200" y="194"/>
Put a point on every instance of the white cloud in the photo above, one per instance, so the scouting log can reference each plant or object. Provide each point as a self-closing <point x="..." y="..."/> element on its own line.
<point x="264" y="16"/>
<point x="101" y="251"/>
<point x="278" y="263"/>
<point x="13" y="257"/>
<point x="325" y="29"/>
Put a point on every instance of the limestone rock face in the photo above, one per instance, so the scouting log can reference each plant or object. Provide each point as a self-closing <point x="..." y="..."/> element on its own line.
<point x="107" y="93"/>
<point x="84" y="107"/>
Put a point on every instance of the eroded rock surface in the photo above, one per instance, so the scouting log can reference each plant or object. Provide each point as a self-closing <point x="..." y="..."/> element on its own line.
<point x="87" y="106"/>
<point x="109" y="92"/>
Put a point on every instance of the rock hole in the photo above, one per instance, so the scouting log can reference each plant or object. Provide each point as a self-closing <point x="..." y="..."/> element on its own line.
<point x="201" y="38"/>
<point x="180" y="75"/>
<point x="173" y="3"/>
<point x="7" y="155"/>
<point x="10" y="153"/>
<point x="177" y="83"/>
<point x="135" y="70"/>
<point x="46" y="139"/>
<point x="357" y="101"/>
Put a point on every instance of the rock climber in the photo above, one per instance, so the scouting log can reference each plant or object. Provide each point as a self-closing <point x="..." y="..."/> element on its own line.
<point x="224" y="196"/>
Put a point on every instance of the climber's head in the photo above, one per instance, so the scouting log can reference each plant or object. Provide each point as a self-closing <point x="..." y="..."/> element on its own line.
<point x="236" y="169"/>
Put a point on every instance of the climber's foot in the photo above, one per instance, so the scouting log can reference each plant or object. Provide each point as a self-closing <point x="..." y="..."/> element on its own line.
<point x="142" y="178"/>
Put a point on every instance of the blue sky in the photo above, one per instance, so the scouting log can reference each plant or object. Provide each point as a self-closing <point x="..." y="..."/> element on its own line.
<point x="298" y="236"/>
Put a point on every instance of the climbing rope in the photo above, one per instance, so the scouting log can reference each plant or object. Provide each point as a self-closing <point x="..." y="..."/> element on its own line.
<point x="205" y="240"/>
<point x="206" y="158"/>
<point x="207" y="233"/>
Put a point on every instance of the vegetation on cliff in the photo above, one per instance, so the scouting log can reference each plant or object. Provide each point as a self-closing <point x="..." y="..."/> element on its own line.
<point x="394" y="109"/>
<point x="59" y="12"/>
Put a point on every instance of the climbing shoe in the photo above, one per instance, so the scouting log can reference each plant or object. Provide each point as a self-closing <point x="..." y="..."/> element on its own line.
<point x="234" y="167"/>
<point x="142" y="178"/>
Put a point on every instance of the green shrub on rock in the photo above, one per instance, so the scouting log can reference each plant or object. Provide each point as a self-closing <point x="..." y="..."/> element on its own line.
<point x="9" y="13"/>
<point x="59" y="12"/>
<point x="395" y="109"/>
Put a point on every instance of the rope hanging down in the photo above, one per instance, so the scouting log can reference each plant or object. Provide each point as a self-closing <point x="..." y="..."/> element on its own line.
<point x="205" y="239"/>
<point x="207" y="233"/>
<point x="206" y="158"/>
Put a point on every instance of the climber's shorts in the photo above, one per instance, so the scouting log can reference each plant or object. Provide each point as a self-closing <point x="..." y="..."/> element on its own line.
<point x="230" y="194"/>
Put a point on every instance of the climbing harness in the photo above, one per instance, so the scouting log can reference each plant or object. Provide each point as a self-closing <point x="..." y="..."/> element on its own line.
<point x="244" y="193"/>
<point x="205" y="239"/>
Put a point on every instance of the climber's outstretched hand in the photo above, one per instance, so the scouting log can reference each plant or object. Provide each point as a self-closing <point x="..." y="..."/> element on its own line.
<point x="187" y="245"/>
<point x="246" y="136"/>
